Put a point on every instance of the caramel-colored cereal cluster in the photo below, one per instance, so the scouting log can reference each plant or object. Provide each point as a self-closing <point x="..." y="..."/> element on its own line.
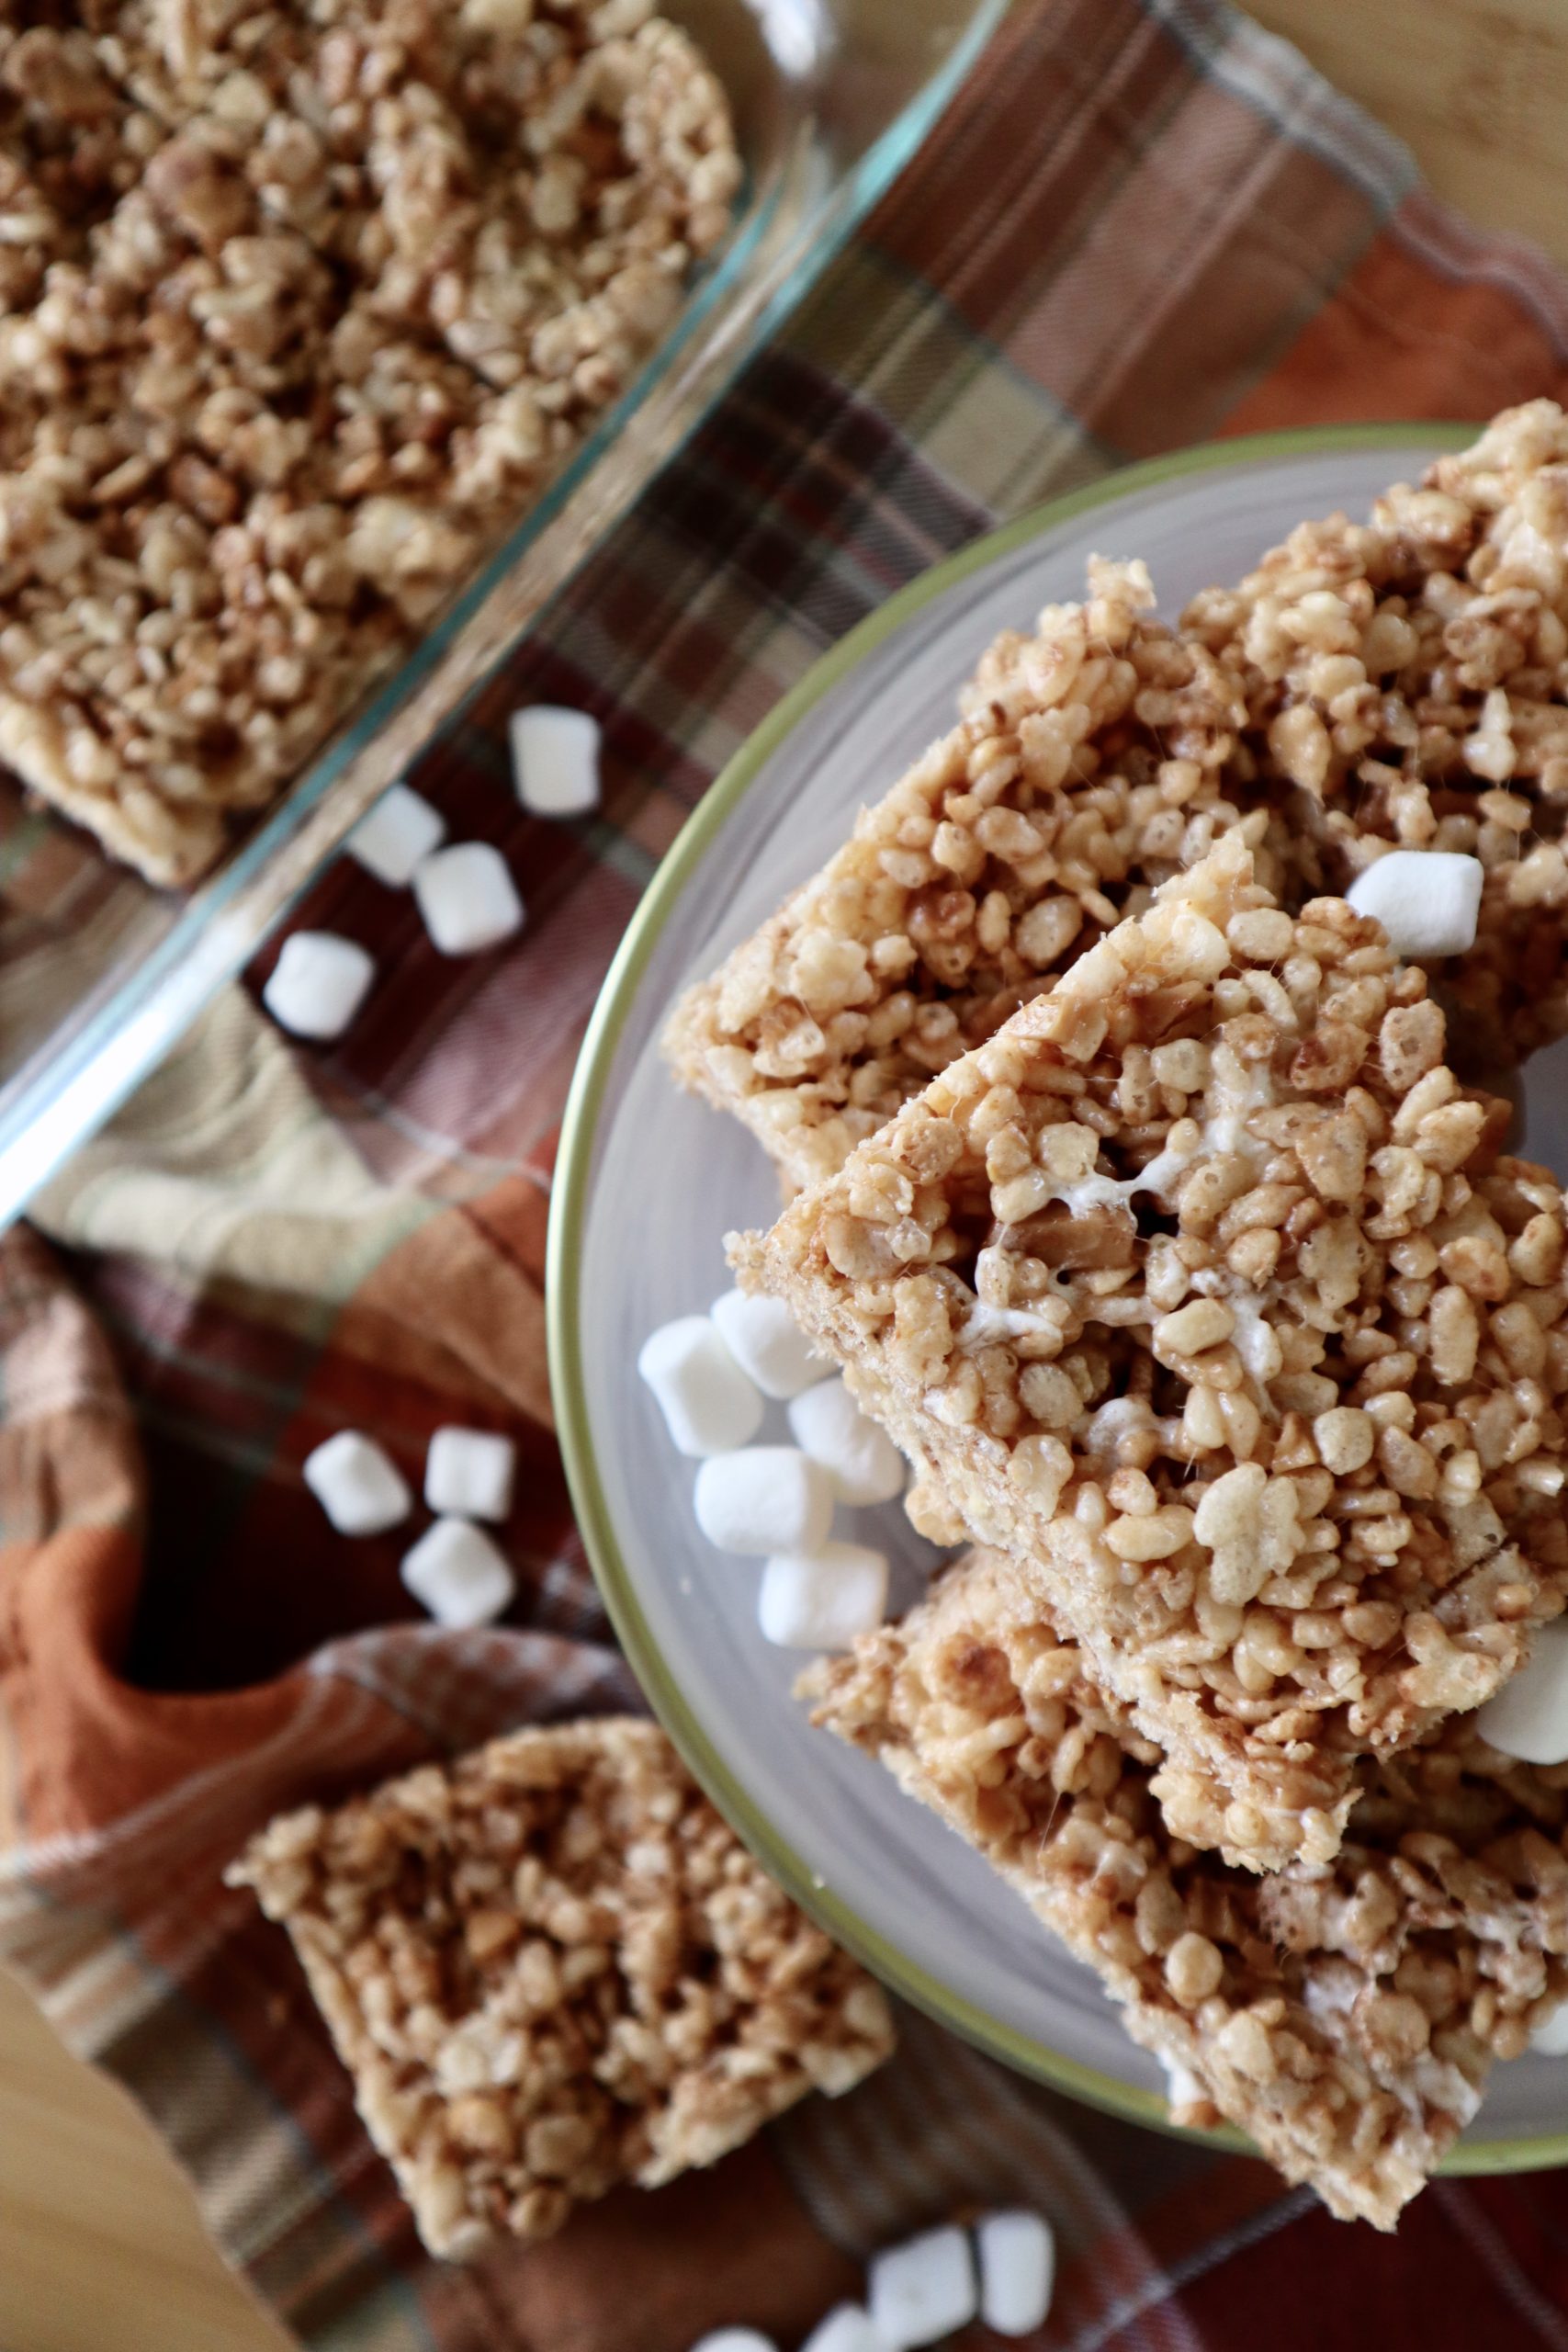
<point x="298" y="305"/>
<point x="1201" y="1289"/>
<point x="1091" y="765"/>
<point x="1344" y="2015"/>
<point x="1401" y="682"/>
<point x="1406" y="683"/>
<point x="551" y="1968"/>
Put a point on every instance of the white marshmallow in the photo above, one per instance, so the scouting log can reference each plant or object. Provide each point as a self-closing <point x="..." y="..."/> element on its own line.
<point x="467" y="897"/>
<point x="317" y="984"/>
<point x="1018" y="2271"/>
<point x="820" y="1600"/>
<point x="735" y="2339"/>
<point x="924" y="2289"/>
<point x="469" y="1473"/>
<point x="555" y="759"/>
<point x="390" y="839"/>
<point x="862" y="1459"/>
<point x="1550" y="2039"/>
<point x="847" y="2329"/>
<point x="708" y="1404"/>
<point x="456" y="1572"/>
<point x="360" y="1488"/>
<point x="1529" y="1717"/>
<point x="1182" y="2086"/>
<point x="766" y="1342"/>
<point x="1426" y="900"/>
<point x="764" y="1498"/>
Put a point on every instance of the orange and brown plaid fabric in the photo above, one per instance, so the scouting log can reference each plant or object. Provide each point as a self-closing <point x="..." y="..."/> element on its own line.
<point x="1143" y="223"/>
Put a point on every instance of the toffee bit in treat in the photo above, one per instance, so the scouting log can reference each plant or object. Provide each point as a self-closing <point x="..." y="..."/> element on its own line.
<point x="550" y="1968"/>
<point x="1344" y="2016"/>
<point x="1200" y="1287"/>
<point x="1406" y="681"/>
<point x="1091" y="762"/>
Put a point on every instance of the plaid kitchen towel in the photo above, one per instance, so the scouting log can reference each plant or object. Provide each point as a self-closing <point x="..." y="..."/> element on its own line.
<point x="1144" y="222"/>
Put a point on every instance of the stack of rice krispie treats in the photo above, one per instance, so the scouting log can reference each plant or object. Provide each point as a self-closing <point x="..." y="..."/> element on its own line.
<point x="1148" y="1197"/>
<point x="302" y="301"/>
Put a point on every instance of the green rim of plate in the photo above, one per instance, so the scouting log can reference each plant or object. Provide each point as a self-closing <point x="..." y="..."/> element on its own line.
<point x="578" y="1130"/>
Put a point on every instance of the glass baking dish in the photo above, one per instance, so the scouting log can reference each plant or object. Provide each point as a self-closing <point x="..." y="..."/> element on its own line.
<point x="99" y="973"/>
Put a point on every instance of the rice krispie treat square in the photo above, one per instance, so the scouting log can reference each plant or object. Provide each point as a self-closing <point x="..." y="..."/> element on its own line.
<point x="299" y="306"/>
<point x="1345" y="2016"/>
<point x="1093" y="761"/>
<point x="1201" y="1289"/>
<point x="228" y="501"/>
<point x="1408" y="678"/>
<point x="550" y="1968"/>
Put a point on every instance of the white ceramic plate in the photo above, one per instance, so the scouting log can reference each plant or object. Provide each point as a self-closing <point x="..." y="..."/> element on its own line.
<point x="650" y="1181"/>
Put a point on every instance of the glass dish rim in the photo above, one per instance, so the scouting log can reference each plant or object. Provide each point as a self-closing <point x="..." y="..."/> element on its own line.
<point x="91" y="1072"/>
<point x="567" y="1211"/>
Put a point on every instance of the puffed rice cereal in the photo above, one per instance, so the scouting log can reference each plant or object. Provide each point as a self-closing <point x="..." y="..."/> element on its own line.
<point x="1345" y="2015"/>
<point x="1201" y="1289"/>
<point x="550" y="1968"/>
<point x="1406" y="682"/>
<point x="299" y="306"/>
<point x="1090" y="764"/>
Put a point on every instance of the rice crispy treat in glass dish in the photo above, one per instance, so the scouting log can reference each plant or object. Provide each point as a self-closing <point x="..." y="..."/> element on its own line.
<point x="1344" y="2015"/>
<point x="529" y="183"/>
<point x="1089" y="764"/>
<point x="227" y="500"/>
<point x="550" y="1968"/>
<point x="1201" y="1289"/>
<point x="1407" y="681"/>
<point x="304" y="304"/>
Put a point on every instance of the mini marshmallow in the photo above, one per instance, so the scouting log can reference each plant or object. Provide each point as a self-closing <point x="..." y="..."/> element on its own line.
<point x="735" y="2339"/>
<point x="860" y="1459"/>
<point x="821" y="1600"/>
<point x="1426" y="900"/>
<point x="317" y="984"/>
<point x="847" y="2329"/>
<point x="1550" y="2039"/>
<point x="1529" y="1717"/>
<point x="359" y="1486"/>
<point x="766" y="1342"/>
<point x="456" y="1572"/>
<point x="764" y="1498"/>
<point x="709" y="1406"/>
<point x="467" y="897"/>
<point x="924" y="2289"/>
<point x="1018" y="2271"/>
<point x="468" y="1473"/>
<point x="555" y="759"/>
<point x="390" y="839"/>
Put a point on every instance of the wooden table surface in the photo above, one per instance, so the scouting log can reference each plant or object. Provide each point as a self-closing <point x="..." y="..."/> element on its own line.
<point x="100" y="2246"/>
